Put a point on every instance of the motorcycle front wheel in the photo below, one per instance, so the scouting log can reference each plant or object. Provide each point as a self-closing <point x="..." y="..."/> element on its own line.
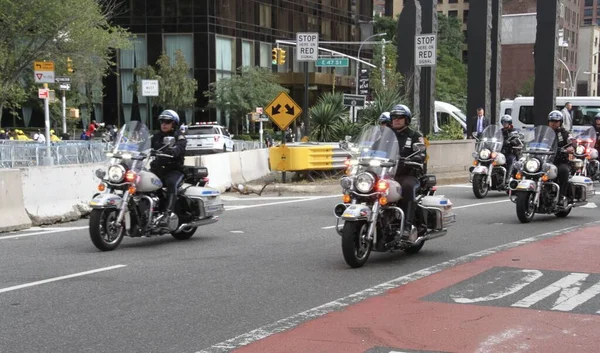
<point x="480" y="186"/>
<point x="525" y="207"/>
<point x="355" y="245"/>
<point x="105" y="234"/>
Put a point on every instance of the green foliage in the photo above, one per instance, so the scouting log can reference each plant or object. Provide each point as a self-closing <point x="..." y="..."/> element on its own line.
<point x="326" y="116"/>
<point x="78" y="29"/>
<point x="177" y="89"/>
<point x="451" y="73"/>
<point x="384" y="100"/>
<point x="387" y="25"/>
<point x="393" y="80"/>
<point x="251" y="87"/>
<point x="526" y="88"/>
<point x="450" y="131"/>
<point x="244" y="137"/>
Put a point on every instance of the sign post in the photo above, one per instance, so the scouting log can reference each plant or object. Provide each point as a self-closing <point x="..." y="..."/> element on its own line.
<point x="64" y="85"/>
<point x="150" y="89"/>
<point x="43" y="72"/>
<point x="307" y="49"/>
<point x="259" y="110"/>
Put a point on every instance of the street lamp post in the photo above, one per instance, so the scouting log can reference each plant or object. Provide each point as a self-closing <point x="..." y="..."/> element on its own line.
<point x="358" y="56"/>
<point x="573" y="80"/>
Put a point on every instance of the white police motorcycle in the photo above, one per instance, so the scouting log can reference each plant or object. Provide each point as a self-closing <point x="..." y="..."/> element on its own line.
<point x="129" y="202"/>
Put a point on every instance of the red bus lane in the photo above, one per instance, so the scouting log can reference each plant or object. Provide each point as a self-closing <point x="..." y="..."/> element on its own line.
<point x="538" y="297"/>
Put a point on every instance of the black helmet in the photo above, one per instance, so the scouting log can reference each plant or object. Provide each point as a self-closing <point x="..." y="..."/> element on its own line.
<point x="597" y="117"/>
<point x="506" y="119"/>
<point x="555" y="115"/>
<point x="400" y="110"/>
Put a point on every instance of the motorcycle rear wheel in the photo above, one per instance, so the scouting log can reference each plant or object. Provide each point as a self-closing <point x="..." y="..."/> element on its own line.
<point x="105" y="235"/>
<point x="355" y="247"/>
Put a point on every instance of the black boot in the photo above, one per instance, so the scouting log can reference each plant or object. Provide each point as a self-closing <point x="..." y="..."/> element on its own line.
<point x="170" y="206"/>
<point x="410" y="233"/>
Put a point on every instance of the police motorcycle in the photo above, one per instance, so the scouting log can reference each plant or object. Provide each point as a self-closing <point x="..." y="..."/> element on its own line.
<point x="534" y="188"/>
<point x="488" y="170"/>
<point x="584" y="161"/>
<point x="129" y="202"/>
<point x="372" y="219"/>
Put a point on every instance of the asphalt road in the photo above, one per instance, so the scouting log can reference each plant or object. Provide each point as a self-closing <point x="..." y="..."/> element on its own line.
<point x="268" y="258"/>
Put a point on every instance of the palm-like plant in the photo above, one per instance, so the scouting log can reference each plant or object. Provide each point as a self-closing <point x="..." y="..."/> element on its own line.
<point x="326" y="116"/>
<point x="385" y="99"/>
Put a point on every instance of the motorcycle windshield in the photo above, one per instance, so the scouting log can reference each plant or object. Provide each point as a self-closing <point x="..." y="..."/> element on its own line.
<point x="133" y="138"/>
<point x="587" y="137"/>
<point x="377" y="143"/>
<point x="491" y="139"/>
<point x="542" y="143"/>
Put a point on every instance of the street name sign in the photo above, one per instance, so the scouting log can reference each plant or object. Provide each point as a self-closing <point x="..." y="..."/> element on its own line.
<point x="307" y="46"/>
<point x="333" y="62"/>
<point x="283" y="110"/>
<point x="425" y="50"/>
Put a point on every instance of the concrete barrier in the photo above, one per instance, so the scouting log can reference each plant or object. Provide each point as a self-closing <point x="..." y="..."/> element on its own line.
<point x="58" y="193"/>
<point x="12" y="209"/>
<point x="219" y="171"/>
<point x="450" y="156"/>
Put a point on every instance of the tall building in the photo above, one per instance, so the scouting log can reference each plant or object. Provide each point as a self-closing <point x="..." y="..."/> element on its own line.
<point x="218" y="36"/>
<point x="590" y="12"/>
<point x="588" y="57"/>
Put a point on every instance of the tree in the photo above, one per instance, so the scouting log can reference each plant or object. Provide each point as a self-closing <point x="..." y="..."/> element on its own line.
<point x="526" y="88"/>
<point x="387" y="25"/>
<point x="393" y="79"/>
<point x="61" y="29"/>
<point x="240" y="94"/>
<point x="451" y="73"/>
<point x="177" y="88"/>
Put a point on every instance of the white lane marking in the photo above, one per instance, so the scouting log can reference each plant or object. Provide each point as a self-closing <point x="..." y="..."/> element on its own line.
<point x="329" y="227"/>
<point x="234" y="198"/>
<point x="53" y="230"/>
<point x="295" y="320"/>
<point x="479" y="204"/>
<point x="455" y="186"/>
<point x="237" y="231"/>
<point x="49" y="280"/>
<point x="589" y="205"/>
<point x="283" y="202"/>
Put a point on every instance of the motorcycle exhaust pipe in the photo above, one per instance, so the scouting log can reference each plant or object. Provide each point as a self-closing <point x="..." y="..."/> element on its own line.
<point x="434" y="235"/>
<point x="202" y="222"/>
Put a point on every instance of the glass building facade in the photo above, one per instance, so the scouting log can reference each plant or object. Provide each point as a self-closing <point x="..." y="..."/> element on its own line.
<point x="218" y="36"/>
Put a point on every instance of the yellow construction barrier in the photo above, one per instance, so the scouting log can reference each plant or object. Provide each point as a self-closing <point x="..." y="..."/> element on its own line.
<point x="302" y="157"/>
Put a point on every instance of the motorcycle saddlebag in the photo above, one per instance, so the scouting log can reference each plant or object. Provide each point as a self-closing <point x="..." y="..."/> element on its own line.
<point x="582" y="188"/>
<point x="193" y="175"/>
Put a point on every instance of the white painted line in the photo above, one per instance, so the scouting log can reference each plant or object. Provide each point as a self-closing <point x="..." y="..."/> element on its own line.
<point x="455" y="186"/>
<point x="237" y="231"/>
<point x="53" y="230"/>
<point x="330" y="227"/>
<point x="283" y="202"/>
<point x="310" y="314"/>
<point x="49" y="280"/>
<point x="233" y="198"/>
<point x="479" y="204"/>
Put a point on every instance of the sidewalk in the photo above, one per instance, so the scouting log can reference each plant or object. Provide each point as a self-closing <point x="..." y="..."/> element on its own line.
<point x="540" y="296"/>
<point x="329" y="187"/>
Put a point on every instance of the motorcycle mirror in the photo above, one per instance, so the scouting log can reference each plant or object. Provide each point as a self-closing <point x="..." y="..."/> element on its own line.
<point x="419" y="147"/>
<point x="169" y="141"/>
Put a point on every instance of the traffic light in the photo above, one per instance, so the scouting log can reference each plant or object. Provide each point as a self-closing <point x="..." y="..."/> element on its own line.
<point x="281" y="60"/>
<point x="70" y="65"/>
<point x="274" y="56"/>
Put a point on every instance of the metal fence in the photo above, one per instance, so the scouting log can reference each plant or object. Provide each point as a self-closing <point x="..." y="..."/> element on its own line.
<point x="18" y="154"/>
<point x="241" y="145"/>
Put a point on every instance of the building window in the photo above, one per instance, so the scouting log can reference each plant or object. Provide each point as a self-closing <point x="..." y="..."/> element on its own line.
<point x="183" y="42"/>
<point x="265" y="16"/>
<point x="247" y="53"/>
<point x="129" y="59"/>
<point x="588" y="21"/>
<point x="265" y="55"/>
<point x="465" y="15"/>
<point x="589" y="3"/>
<point x="453" y="13"/>
<point x="587" y="12"/>
<point x="452" y="1"/>
<point x="225" y="56"/>
<point x="326" y="29"/>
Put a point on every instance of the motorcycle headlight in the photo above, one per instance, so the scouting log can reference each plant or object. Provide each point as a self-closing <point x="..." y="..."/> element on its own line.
<point x="364" y="182"/>
<point x="346" y="183"/>
<point x="580" y="150"/>
<point x="116" y="173"/>
<point x="532" y="165"/>
<point x="485" y="154"/>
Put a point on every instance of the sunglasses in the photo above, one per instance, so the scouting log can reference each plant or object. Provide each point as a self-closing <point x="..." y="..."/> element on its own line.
<point x="396" y="117"/>
<point x="166" y="122"/>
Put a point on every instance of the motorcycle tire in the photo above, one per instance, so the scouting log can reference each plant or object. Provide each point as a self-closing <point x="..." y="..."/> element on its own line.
<point x="480" y="187"/>
<point x="100" y="226"/>
<point x="524" y="213"/>
<point x="356" y="251"/>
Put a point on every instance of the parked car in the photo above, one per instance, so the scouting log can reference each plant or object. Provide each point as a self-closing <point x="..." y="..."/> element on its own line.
<point x="208" y="137"/>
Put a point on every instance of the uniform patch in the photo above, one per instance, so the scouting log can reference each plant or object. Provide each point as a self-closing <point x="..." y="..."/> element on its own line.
<point x="408" y="142"/>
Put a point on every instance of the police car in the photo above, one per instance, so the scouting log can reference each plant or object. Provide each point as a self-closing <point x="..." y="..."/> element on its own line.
<point x="208" y="137"/>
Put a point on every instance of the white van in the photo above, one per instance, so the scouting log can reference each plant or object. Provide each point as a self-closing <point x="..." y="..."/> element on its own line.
<point x="505" y="108"/>
<point x="583" y="111"/>
<point x="446" y="112"/>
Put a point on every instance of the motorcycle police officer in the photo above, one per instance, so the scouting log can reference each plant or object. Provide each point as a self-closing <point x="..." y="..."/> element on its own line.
<point x="169" y="170"/>
<point x="597" y="127"/>
<point x="384" y="119"/>
<point x="405" y="175"/>
<point x="507" y="148"/>
<point x="555" y="120"/>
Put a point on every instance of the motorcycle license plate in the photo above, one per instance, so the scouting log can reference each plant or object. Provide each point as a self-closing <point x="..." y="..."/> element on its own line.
<point x="523" y="185"/>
